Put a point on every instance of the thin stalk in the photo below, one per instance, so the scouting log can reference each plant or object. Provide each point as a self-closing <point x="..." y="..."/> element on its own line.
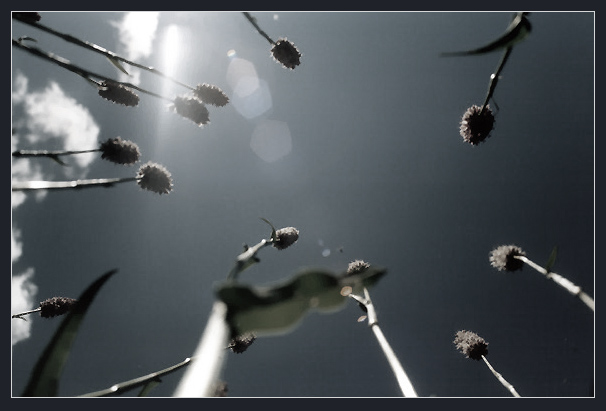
<point x="98" y="49"/>
<point x="494" y="78"/>
<point x="247" y="258"/>
<point x="568" y="285"/>
<point x="47" y="153"/>
<point x="137" y="382"/>
<point x="199" y="379"/>
<point x="75" y="184"/>
<point x="89" y="75"/>
<point x="253" y="21"/>
<point x="501" y="379"/>
<point x="401" y="376"/>
<point x="21" y="315"/>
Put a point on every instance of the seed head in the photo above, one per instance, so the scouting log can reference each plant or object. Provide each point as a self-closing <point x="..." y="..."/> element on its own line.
<point x="502" y="258"/>
<point x="56" y="306"/>
<point x="210" y="94"/>
<point x="118" y="94"/>
<point x="476" y="125"/>
<point x="471" y="344"/>
<point x="285" y="237"/>
<point x="286" y="53"/>
<point x="356" y="267"/>
<point x="240" y="343"/>
<point x="120" y="151"/>
<point x="191" y="108"/>
<point x="154" y="177"/>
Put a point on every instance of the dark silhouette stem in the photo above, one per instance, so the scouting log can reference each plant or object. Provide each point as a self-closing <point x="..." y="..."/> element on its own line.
<point x="98" y="49"/>
<point x="66" y="64"/>
<point x="494" y="78"/>
<point x="253" y="21"/>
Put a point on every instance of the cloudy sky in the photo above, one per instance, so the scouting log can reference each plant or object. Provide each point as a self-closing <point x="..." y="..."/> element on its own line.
<point x="358" y="148"/>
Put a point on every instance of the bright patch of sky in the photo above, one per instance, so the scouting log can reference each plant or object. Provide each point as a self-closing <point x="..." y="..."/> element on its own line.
<point x="137" y="31"/>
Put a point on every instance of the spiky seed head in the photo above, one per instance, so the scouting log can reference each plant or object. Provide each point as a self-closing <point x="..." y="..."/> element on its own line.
<point x="357" y="266"/>
<point x="120" y="151"/>
<point x="503" y="258"/>
<point x="155" y="177"/>
<point x="286" y="53"/>
<point x="240" y="343"/>
<point x="210" y="94"/>
<point x="285" y="237"/>
<point x="118" y="94"/>
<point x="471" y="344"/>
<point x="192" y="109"/>
<point x="55" y="306"/>
<point x="476" y="124"/>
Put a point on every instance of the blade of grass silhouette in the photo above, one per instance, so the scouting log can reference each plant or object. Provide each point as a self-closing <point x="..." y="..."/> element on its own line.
<point x="552" y="258"/>
<point x="44" y="380"/>
<point x="68" y="65"/>
<point x="114" y="58"/>
<point x="517" y="31"/>
<point x="148" y="382"/>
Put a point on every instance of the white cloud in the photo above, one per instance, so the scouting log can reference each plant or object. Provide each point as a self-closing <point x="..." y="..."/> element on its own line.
<point x="23" y="292"/>
<point x="51" y="114"/>
<point x="137" y="31"/>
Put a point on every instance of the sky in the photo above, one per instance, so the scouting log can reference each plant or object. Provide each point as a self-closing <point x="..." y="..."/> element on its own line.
<point x="358" y="147"/>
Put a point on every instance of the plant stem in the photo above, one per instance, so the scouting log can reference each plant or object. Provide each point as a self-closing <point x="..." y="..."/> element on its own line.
<point x="494" y="78"/>
<point x="403" y="380"/>
<point x="20" y="315"/>
<point x="501" y="379"/>
<point x="137" y="382"/>
<point x="66" y="64"/>
<point x="50" y="185"/>
<point x="572" y="288"/>
<point x="47" y="153"/>
<point x="253" y="21"/>
<point x="200" y="378"/>
<point x="247" y="258"/>
<point x="98" y="49"/>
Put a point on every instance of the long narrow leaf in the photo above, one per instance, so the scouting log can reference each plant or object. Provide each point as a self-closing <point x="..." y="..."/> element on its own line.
<point x="44" y="381"/>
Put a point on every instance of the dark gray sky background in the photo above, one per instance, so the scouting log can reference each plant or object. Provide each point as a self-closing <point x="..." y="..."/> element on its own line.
<point x="360" y="150"/>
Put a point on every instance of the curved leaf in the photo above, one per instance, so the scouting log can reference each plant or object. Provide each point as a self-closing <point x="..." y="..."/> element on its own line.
<point x="278" y="309"/>
<point x="44" y="381"/>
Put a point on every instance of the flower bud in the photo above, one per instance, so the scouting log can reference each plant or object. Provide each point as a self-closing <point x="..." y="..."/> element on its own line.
<point x="285" y="237"/>
<point x="286" y="53"/>
<point x="191" y="108"/>
<point x="503" y="258"/>
<point x="356" y="267"/>
<point x="118" y="94"/>
<point x="471" y="344"/>
<point x="154" y="177"/>
<point x="476" y="125"/>
<point x="56" y="306"/>
<point x="120" y="151"/>
<point x="210" y="94"/>
<point x="240" y="343"/>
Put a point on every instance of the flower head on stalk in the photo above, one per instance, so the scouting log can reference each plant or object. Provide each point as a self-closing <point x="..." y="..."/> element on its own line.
<point x="471" y="344"/>
<point x="55" y="306"/>
<point x="120" y="151"/>
<point x="191" y="108"/>
<point x="476" y="124"/>
<point x="503" y="258"/>
<point x="285" y="237"/>
<point x="155" y="177"/>
<point x="286" y="53"/>
<point x="118" y="94"/>
<point x="210" y="94"/>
